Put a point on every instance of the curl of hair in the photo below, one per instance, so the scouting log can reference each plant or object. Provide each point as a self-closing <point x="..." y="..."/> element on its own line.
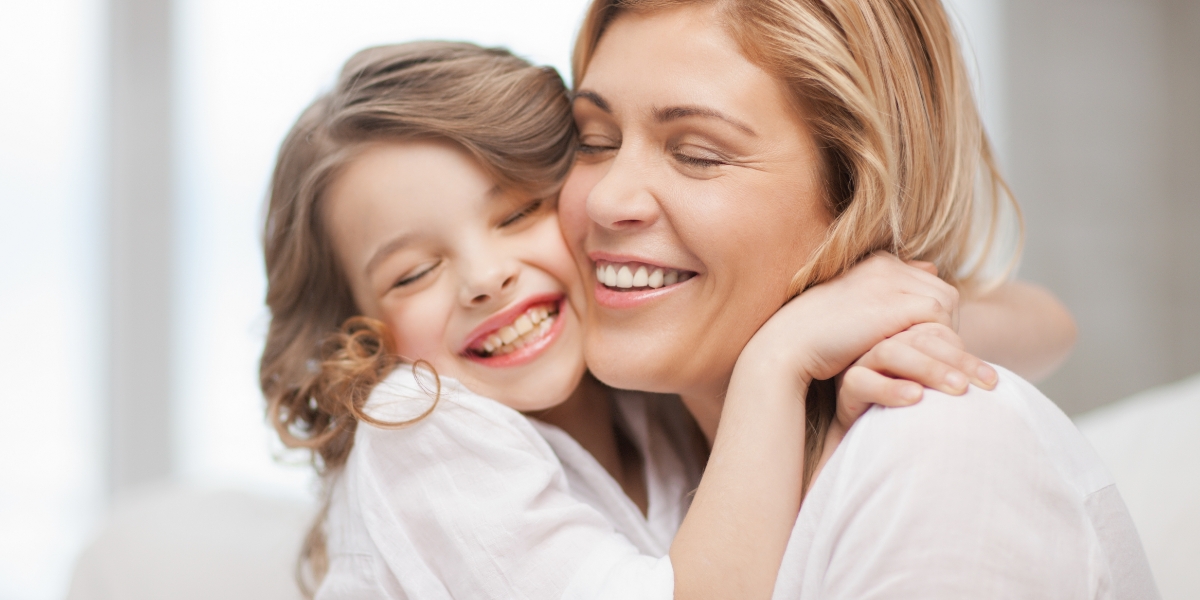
<point x="321" y="359"/>
<point x="907" y="165"/>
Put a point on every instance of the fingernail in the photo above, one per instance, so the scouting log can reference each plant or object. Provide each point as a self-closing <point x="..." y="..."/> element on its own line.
<point x="956" y="380"/>
<point x="911" y="393"/>
<point x="987" y="374"/>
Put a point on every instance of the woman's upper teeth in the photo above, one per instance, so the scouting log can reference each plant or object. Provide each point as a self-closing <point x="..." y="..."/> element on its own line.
<point x="628" y="275"/>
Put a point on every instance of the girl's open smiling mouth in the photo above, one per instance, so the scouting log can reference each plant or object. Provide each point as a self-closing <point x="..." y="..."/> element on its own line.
<point x="518" y="335"/>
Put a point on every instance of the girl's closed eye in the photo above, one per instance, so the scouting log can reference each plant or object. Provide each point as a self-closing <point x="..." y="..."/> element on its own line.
<point x="416" y="274"/>
<point x="524" y="212"/>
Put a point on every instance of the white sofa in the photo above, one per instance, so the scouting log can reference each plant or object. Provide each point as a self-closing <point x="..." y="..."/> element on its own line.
<point x="181" y="543"/>
<point x="1151" y="443"/>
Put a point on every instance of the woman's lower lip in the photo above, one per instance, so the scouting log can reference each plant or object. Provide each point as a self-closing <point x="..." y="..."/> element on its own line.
<point x="531" y="351"/>
<point x="610" y="298"/>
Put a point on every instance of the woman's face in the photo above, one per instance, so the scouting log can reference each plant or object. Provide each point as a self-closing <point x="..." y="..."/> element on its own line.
<point x="693" y="163"/>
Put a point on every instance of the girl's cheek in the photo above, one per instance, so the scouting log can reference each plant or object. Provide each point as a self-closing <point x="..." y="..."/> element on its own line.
<point x="418" y="328"/>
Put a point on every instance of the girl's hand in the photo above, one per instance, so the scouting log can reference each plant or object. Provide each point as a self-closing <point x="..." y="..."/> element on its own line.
<point x="895" y="371"/>
<point x="821" y="332"/>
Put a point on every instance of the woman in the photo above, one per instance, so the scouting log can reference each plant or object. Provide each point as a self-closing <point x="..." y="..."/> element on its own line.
<point x="764" y="147"/>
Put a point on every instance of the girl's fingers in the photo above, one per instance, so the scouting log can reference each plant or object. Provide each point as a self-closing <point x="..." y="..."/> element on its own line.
<point x="924" y="265"/>
<point x="898" y="359"/>
<point x="943" y="345"/>
<point x="920" y="308"/>
<point x="861" y="387"/>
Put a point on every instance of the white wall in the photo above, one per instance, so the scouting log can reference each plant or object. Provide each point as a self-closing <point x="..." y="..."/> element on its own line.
<point x="51" y="433"/>
<point x="1104" y="100"/>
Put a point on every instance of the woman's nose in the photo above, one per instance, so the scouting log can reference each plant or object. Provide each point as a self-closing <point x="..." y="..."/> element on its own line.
<point x="621" y="200"/>
<point x="488" y="281"/>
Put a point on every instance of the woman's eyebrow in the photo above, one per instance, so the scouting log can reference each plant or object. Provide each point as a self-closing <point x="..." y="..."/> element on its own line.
<point x="594" y="98"/>
<point x="665" y="115"/>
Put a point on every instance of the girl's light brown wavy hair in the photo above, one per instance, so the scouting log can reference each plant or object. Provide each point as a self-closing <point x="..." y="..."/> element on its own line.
<point x="322" y="358"/>
<point x="908" y="167"/>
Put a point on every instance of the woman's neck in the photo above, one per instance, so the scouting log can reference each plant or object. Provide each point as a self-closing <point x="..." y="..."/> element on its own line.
<point x="706" y="406"/>
<point x="587" y="416"/>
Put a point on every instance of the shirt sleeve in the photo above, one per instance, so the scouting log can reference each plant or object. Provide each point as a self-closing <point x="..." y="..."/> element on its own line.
<point x="952" y="498"/>
<point x="470" y="502"/>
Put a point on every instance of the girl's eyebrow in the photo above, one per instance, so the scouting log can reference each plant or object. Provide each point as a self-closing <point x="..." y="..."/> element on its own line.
<point x="388" y="249"/>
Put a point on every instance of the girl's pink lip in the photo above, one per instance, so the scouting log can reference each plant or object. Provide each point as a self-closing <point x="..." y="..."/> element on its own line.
<point x="528" y="353"/>
<point x="610" y="298"/>
<point x="507" y="316"/>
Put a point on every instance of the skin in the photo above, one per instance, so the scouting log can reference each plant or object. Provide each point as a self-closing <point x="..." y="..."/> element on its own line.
<point x="670" y="191"/>
<point x="697" y="161"/>
<point x="433" y="248"/>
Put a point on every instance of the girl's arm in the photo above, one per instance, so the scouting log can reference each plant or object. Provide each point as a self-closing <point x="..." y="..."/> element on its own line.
<point x="1019" y="325"/>
<point x="733" y="539"/>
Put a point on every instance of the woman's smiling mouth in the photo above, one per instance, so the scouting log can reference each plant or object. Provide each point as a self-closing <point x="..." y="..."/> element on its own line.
<point x="633" y="276"/>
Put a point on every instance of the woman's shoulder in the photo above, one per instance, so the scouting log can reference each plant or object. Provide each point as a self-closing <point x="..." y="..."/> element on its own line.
<point x="1013" y="422"/>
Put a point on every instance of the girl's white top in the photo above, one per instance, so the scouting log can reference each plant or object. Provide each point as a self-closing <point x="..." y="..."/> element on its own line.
<point x="990" y="495"/>
<point x="478" y="501"/>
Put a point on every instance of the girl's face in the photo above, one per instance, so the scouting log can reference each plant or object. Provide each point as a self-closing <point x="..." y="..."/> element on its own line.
<point x="694" y="163"/>
<point x="472" y="278"/>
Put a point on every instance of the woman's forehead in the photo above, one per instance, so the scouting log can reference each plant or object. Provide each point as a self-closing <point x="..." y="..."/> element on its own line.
<point x="676" y="59"/>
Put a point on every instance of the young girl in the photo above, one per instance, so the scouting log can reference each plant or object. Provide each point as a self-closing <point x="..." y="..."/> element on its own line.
<point x="414" y="205"/>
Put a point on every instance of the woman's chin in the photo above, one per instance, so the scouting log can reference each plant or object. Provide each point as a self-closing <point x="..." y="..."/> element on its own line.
<point x="633" y="364"/>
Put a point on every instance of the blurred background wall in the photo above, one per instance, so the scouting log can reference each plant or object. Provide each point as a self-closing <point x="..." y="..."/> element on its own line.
<point x="137" y="137"/>
<point x="1103" y="152"/>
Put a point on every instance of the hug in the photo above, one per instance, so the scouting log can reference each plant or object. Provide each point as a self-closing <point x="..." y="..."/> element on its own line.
<point x="688" y="329"/>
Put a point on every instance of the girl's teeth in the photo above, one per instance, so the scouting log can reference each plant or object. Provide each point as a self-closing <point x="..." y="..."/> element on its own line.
<point x="523" y="325"/>
<point x="610" y="276"/>
<point x="656" y="279"/>
<point x="671" y="278"/>
<point x="530" y="326"/>
<point x="508" y="334"/>
<point x="641" y="278"/>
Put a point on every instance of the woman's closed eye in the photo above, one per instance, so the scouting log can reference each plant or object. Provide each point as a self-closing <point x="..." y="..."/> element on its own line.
<point x="593" y="145"/>
<point x="416" y="274"/>
<point x="697" y="157"/>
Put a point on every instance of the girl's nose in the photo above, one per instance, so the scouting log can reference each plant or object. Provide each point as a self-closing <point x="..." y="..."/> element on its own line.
<point x="490" y="281"/>
<point x="622" y="200"/>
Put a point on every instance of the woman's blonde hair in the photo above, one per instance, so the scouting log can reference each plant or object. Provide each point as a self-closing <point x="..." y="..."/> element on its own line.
<point x="322" y="358"/>
<point x="884" y="88"/>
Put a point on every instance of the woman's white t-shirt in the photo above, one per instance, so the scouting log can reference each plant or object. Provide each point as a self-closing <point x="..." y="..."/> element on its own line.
<point x="478" y="501"/>
<point x="988" y="495"/>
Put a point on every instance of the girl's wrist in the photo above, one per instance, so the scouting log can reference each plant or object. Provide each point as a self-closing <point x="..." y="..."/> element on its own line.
<point x="768" y="369"/>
